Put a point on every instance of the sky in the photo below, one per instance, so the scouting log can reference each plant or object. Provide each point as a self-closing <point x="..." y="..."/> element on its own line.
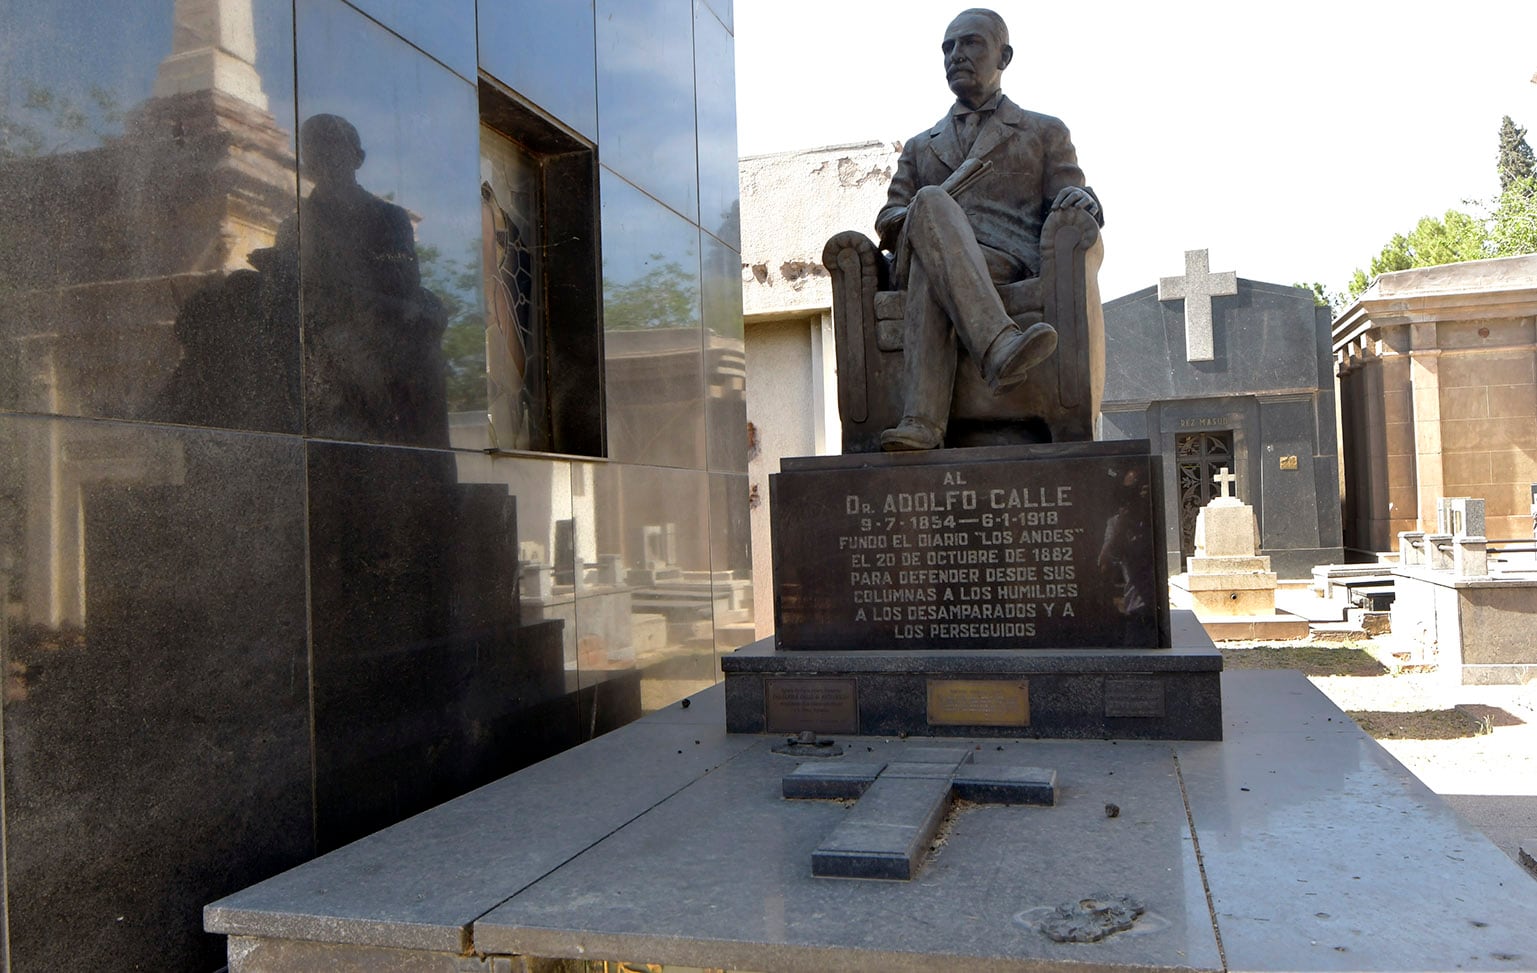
<point x="1290" y="140"/>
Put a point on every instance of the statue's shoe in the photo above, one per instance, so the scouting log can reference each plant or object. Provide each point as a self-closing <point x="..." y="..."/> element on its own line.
<point x="1014" y="352"/>
<point x="912" y="433"/>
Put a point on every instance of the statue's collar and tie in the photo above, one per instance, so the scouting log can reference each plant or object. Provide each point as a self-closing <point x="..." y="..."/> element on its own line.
<point x="969" y="121"/>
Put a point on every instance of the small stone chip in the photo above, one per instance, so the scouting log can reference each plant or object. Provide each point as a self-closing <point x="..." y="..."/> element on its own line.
<point x="1112" y="810"/>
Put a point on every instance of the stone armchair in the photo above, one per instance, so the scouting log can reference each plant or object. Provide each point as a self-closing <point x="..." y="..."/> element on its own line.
<point x="1058" y="402"/>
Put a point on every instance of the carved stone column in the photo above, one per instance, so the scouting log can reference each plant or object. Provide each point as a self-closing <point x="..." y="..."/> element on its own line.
<point x="213" y="47"/>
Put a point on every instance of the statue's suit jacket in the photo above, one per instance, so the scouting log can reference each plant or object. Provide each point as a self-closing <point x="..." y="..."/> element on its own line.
<point x="1033" y="159"/>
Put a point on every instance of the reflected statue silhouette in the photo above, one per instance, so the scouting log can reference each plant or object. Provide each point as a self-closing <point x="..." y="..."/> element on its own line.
<point x="371" y="334"/>
<point x="373" y="364"/>
<point x="239" y="357"/>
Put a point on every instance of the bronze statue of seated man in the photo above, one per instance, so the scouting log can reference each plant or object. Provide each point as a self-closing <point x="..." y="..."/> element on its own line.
<point x="963" y="217"/>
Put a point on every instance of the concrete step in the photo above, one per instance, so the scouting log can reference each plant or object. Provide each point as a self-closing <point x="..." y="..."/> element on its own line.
<point x="1280" y="627"/>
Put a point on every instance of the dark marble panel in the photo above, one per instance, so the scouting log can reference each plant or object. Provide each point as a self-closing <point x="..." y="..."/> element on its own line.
<point x="731" y="560"/>
<point x="388" y="256"/>
<point x="652" y="336"/>
<point x="715" y="79"/>
<point x="725" y="357"/>
<point x="544" y="50"/>
<point x="646" y="97"/>
<point x="545" y="528"/>
<point x="427" y="681"/>
<point x="445" y="28"/>
<point x="651" y="612"/>
<point x="605" y="632"/>
<point x="1288" y="511"/>
<point x="156" y="700"/>
<point x="608" y="700"/>
<point x="130" y="195"/>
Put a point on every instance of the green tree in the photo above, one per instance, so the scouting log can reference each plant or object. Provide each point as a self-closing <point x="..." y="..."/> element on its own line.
<point x="457" y="284"/>
<point x="1515" y="161"/>
<point x="1322" y="296"/>
<point x="46" y="122"/>
<point x="1508" y="228"/>
<point x="1513" y="227"/>
<point x="1453" y="238"/>
<point x="666" y="297"/>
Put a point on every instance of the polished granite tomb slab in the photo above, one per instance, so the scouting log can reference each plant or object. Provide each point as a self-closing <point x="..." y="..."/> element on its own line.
<point x="1297" y="843"/>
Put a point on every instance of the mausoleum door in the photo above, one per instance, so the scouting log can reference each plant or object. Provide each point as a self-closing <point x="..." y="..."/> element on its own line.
<point x="1199" y="456"/>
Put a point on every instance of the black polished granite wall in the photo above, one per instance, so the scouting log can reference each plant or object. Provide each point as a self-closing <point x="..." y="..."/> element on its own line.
<point x="262" y="589"/>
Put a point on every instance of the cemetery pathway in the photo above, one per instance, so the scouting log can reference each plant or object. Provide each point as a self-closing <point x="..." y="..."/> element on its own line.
<point x="1489" y="777"/>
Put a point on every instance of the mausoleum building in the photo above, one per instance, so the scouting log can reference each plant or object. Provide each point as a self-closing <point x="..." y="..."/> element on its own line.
<point x="1437" y="371"/>
<point x="1220" y="372"/>
<point x="372" y="425"/>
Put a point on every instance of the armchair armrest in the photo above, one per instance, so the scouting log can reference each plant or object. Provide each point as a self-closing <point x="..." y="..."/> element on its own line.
<point x="1071" y="252"/>
<point x="858" y="269"/>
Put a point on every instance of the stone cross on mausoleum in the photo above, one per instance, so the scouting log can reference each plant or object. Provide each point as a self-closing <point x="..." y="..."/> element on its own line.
<point x="900" y="805"/>
<point x="1197" y="288"/>
<point x="1226" y="482"/>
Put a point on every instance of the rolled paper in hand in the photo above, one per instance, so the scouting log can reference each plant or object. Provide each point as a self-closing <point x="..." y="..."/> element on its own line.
<point x="969" y="172"/>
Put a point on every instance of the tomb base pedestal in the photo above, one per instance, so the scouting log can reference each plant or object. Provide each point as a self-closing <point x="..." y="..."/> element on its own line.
<point x="1118" y="694"/>
<point x="1233" y="600"/>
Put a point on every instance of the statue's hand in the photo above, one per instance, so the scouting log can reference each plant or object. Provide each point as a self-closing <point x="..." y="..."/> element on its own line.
<point x="1076" y="197"/>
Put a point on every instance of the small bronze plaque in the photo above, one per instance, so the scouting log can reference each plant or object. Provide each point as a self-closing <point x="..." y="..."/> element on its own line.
<point x="1288" y="462"/>
<point x="979" y="702"/>
<point x="822" y="704"/>
<point x="1134" y="697"/>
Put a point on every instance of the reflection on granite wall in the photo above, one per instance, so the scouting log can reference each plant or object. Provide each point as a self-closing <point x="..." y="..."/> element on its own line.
<point x="262" y="589"/>
<point x="156" y="700"/>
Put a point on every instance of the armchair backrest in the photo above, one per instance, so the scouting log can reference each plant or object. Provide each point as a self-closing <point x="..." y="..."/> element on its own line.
<point x="1059" y="403"/>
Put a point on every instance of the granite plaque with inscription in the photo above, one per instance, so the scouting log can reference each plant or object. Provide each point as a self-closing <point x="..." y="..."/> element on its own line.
<point x="825" y="705"/>
<point x="996" y="548"/>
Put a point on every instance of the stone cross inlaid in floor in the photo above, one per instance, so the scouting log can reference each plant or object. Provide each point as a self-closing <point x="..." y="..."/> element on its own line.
<point x="900" y="804"/>
<point x="1197" y="288"/>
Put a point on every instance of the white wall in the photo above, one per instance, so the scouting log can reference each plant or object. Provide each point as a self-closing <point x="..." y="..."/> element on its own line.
<point x="791" y="203"/>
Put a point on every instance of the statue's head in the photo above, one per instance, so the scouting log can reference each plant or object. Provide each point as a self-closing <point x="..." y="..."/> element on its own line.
<point x="330" y="150"/>
<point x="976" y="50"/>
